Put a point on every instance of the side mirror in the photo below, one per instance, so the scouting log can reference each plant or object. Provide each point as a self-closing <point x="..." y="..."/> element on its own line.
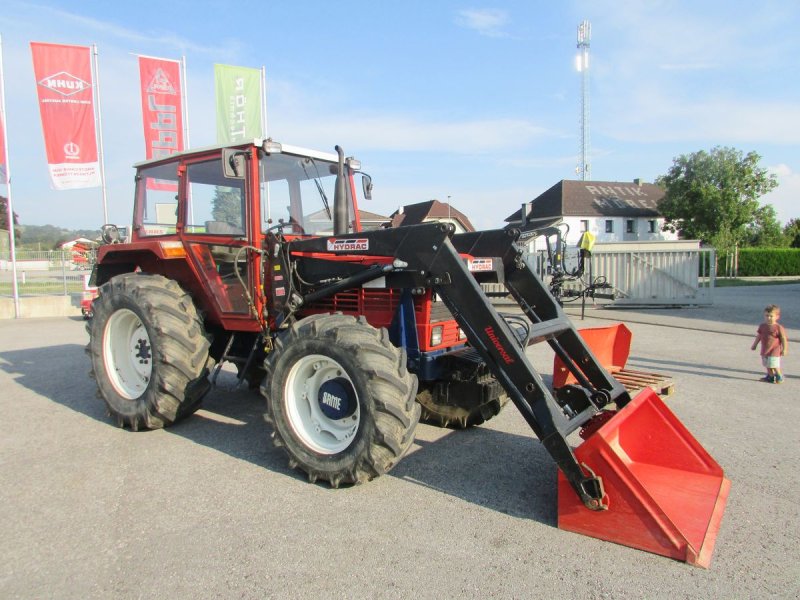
<point x="233" y="163"/>
<point x="366" y="184"/>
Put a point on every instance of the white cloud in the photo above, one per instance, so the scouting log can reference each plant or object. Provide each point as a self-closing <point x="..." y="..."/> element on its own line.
<point x="409" y="133"/>
<point x="53" y="22"/>
<point x="666" y="74"/>
<point x="689" y="66"/>
<point x="488" y="22"/>
<point x="786" y="197"/>
<point x="650" y="116"/>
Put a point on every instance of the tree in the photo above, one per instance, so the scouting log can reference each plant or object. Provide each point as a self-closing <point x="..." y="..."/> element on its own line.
<point x="43" y="237"/>
<point x="792" y="233"/>
<point x="713" y="196"/>
<point x="4" y="219"/>
<point x="766" y="231"/>
<point x="227" y="206"/>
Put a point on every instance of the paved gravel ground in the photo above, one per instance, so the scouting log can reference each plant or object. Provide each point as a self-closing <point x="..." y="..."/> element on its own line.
<point x="209" y="509"/>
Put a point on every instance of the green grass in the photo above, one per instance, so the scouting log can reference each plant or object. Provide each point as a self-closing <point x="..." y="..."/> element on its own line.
<point x="50" y="288"/>
<point x="739" y="282"/>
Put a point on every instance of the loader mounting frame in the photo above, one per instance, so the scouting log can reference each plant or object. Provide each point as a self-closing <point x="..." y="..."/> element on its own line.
<point x="432" y="256"/>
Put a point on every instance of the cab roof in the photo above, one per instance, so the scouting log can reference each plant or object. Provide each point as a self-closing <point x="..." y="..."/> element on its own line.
<point x="286" y="149"/>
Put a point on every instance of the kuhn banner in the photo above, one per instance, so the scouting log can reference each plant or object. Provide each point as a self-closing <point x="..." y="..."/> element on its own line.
<point x="66" y="103"/>
<point x="239" y="102"/>
<point x="162" y="110"/>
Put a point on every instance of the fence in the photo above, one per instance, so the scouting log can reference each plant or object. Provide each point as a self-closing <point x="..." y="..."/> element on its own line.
<point x="640" y="274"/>
<point x="657" y="277"/>
<point x="45" y="273"/>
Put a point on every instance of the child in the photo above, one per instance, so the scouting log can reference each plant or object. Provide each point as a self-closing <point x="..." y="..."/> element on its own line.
<point x="774" y="343"/>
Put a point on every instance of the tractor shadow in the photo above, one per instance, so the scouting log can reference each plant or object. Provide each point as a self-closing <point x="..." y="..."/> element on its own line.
<point x="500" y="471"/>
<point x="497" y="470"/>
<point x="229" y="421"/>
<point x="693" y="368"/>
<point x="58" y="373"/>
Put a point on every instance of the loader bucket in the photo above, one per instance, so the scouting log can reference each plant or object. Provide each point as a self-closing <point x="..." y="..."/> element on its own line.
<point x="664" y="493"/>
<point x="611" y="345"/>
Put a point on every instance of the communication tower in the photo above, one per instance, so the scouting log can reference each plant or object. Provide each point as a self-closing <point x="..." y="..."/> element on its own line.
<point x="582" y="62"/>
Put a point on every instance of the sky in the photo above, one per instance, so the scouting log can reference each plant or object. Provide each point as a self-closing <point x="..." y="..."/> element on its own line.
<point x="475" y="103"/>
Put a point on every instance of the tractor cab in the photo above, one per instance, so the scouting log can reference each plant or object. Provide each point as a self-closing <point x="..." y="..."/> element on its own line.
<point x="215" y="208"/>
<point x="221" y="190"/>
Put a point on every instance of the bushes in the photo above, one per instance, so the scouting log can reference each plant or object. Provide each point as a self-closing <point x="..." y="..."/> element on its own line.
<point x="768" y="262"/>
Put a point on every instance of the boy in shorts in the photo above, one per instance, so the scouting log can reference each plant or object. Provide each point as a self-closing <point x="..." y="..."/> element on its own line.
<point x="774" y="343"/>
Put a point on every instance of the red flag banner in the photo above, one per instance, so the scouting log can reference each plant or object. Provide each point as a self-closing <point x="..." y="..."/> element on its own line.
<point x="162" y="111"/>
<point x="66" y="103"/>
<point x="161" y="106"/>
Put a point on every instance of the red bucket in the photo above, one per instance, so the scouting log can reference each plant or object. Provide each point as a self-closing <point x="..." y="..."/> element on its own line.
<point x="610" y="345"/>
<point x="665" y="494"/>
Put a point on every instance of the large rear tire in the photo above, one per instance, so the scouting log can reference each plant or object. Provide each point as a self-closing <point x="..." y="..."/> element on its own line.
<point x="340" y="399"/>
<point x="437" y="411"/>
<point x="149" y="351"/>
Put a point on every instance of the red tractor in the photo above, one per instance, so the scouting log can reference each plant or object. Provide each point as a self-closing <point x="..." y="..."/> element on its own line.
<point x="255" y="255"/>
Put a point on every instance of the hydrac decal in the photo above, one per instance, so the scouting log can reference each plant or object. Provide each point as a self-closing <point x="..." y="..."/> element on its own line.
<point x="351" y="245"/>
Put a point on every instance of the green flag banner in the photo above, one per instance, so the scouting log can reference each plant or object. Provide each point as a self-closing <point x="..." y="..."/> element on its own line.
<point x="239" y="102"/>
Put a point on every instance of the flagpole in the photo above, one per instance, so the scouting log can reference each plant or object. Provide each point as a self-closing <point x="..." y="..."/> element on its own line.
<point x="264" y="133"/>
<point x="185" y="94"/>
<point x="9" y="205"/>
<point x="99" y="120"/>
<point x="185" y="110"/>
<point x="264" y="102"/>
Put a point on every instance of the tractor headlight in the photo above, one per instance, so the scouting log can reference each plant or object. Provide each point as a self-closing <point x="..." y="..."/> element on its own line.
<point x="461" y="334"/>
<point x="436" y="335"/>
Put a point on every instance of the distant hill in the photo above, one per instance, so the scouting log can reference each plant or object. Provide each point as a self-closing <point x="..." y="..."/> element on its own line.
<point x="50" y="237"/>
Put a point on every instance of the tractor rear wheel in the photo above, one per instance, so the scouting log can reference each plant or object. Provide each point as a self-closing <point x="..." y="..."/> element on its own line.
<point x="436" y="411"/>
<point x="149" y="351"/>
<point x="340" y="399"/>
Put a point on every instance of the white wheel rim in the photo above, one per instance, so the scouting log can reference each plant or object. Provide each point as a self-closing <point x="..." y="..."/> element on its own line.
<point x="127" y="353"/>
<point x="314" y="428"/>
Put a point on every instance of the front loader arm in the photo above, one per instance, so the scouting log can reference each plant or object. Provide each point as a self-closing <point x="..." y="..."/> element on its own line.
<point x="552" y="420"/>
<point x="430" y="256"/>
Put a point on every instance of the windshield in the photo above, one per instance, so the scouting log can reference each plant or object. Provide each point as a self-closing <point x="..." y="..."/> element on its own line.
<point x="299" y="190"/>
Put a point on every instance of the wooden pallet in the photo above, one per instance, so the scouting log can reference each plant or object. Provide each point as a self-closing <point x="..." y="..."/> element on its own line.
<point x="638" y="380"/>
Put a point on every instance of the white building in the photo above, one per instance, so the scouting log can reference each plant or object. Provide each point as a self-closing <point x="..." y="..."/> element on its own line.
<point x="613" y="211"/>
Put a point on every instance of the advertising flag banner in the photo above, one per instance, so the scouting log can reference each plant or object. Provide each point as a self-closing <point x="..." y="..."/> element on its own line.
<point x="239" y="101"/>
<point x="66" y="104"/>
<point x="162" y="110"/>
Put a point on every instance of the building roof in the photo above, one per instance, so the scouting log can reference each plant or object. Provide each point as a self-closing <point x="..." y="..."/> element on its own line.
<point x="371" y="217"/>
<point x="414" y="214"/>
<point x="363" y="215"/>
<point x="595" y="199"/>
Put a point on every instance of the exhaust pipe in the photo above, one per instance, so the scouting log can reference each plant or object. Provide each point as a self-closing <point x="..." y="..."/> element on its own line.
<point x="340" y="216"/>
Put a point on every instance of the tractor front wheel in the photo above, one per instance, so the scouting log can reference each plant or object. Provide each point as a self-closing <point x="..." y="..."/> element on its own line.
<point x="149" y="351"/>
<point x="340" y="399"/>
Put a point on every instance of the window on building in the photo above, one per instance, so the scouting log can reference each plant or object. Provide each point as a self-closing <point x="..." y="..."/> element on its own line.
<point x="652" y="224"/>
<point x="630" y="226"/>
<point x="584" y="225"/>
<point x="609" y="226"/>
